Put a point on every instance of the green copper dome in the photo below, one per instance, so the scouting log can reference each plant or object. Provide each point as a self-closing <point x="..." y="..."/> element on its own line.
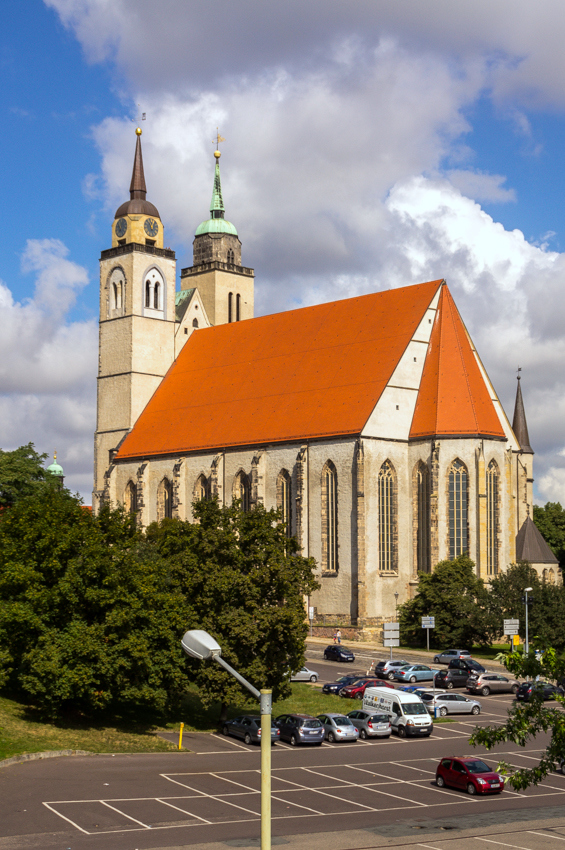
<point x="216" y="223"/>
<point x="55" y="468"/>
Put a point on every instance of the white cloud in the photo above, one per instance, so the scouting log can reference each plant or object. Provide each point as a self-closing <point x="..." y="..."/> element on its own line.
<point x="552" y="485"/>
<point x="48" y="365"/>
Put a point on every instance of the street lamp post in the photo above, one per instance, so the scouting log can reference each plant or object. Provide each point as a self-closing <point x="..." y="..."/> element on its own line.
<point x="526" y="591"/>
<point x="201" y="645"/>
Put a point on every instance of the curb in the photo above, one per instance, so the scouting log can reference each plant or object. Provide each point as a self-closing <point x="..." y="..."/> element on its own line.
<point x="37" y="756"/>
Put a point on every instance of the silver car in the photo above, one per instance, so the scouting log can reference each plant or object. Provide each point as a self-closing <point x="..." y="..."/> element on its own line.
<point x="337" y="727"/>
<point x="304" y="675"/>
<point x="450" y="704"/>
<point x="449" y="654"/>
<point x="371" y="725"/>
<point x="487" y="683"/>
<point x="387" y="669"/>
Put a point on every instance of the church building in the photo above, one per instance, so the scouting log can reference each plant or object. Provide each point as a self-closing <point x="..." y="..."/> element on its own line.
<point x="369" y="422"/>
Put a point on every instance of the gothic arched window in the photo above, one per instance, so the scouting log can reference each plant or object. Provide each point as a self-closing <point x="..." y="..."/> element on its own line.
<point x="164" y="500"/>
<point x="493" y="491"/>
<point x="422" y="516"/>
<point x="157" y="297"/>
<point x="231" y="256"/>
<point x="148" y="293"/>
<point x="284" y="503"/>
<point x="329" y="518"/>
<point x="242" y="490"/>
<point x="195" y="323"/>
<point x="238" y="307"/>
<point x="201" y="488"/>
<point x="230" y="307"/>
<point x="387" y="518"/>
<point x="130" y="498"/>
<point x="458" y="496"/>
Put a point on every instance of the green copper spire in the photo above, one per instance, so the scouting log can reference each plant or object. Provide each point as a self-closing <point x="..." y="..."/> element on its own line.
<point x="216" y="223"/>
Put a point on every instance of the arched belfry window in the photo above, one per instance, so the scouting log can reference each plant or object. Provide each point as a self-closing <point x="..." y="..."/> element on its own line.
<point x="242" y="490"/>
<point x="201" y="488"/>
<point x="165" y="500"/>
<point x="148" y="293"/>
<point x="387" y="518"/>
<point x="130" y="498"/>
<point x="238" y="307"/>
<point x="422" y="516"/>
<point x="284" y="502"/>
<point x="329" y="518"/>
<point x="230" y="307"/>
<point x="154" y="293"/>
<point x="458" y="500"/>
<point x="493" y="496"/>
<point x="231" y="256"/>
<point x="116" y="293"/>
<point x="157" y="296"/>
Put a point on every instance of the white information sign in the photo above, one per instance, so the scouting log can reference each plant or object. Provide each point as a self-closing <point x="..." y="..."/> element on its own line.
<point x="428" y="622"/>
<point x="310" y="613"/>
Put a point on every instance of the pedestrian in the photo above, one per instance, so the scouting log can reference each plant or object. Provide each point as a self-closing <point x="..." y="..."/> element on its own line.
<point x="338" y="635"/>
<point x="335" y="637"/>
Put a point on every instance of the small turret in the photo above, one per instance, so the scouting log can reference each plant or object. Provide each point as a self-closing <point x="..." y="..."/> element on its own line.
<point x="56" y="469"/>
<point x="519" y="424"/>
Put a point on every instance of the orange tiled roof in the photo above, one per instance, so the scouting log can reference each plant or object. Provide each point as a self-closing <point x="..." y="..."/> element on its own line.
<point x="453" y="399"/>
<point x="308" y="373"/>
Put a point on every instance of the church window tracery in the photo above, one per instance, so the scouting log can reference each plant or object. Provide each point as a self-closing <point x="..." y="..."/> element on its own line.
<point x="165" y="500"/>
<point x="201" y="488"/>
<point x="284" y="501"/>
<point x="458" y="486"/>
<point x="493" y="488"/>
<point x="242" y="490"/>
<point x="387" y="518"/>
<point x="130" y="498"/>
<point x="422" y="517"/>
<point x="329" y="519"/>
<point x="231" y="256"/>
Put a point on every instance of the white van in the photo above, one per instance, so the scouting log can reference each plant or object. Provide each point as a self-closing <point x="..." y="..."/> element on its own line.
<point x="409" y="717"/>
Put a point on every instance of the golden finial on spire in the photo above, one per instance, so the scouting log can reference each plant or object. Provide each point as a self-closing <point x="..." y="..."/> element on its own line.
<point x="217" y="141"/>
<point x="138" y="131"/>
<point x="140" y="117"/>
<point x="55" y="455"/>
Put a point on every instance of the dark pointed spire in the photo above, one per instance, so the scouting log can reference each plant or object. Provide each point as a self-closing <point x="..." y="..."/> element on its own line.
<point x="137" y="187"/>
<point x="519" y="424"/>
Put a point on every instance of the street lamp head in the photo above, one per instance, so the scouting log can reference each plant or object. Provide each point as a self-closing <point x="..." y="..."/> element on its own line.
<point x="528" y="589"/>
<point x="200" y="645"/>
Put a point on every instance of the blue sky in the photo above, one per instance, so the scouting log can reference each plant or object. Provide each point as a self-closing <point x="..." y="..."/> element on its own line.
<point x="365" y="148"/>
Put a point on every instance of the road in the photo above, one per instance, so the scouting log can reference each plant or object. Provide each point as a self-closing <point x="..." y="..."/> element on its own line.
<point x="369" y="794"/>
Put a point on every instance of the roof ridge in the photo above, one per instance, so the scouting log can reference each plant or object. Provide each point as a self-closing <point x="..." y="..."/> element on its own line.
<point x="463" y="364"/>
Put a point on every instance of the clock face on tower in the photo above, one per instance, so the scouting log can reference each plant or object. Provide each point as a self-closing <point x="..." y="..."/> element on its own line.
<point x="121" y="227"/>
<point x="151" y="227"/>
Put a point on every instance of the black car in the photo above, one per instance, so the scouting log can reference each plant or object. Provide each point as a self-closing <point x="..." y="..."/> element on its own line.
<point x="469" y="665"/>
<point x="451" y="679"/>
<point x="335" y="652"/>
<point x="548" y="690"/>
<point x="342" y="682"/>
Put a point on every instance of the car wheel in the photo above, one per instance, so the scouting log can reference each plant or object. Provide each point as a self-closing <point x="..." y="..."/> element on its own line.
<point x="485" y="691"/>
<point x="390" y="676"/>
<point x="412" y="680"/>
<point x="449" y="686"/>
<point x="475" y="710"/>
<point x="293" y="741"/>
<point x="362" y="734"/>
<point x="471" y="789"/>
<point x="436" y="659"/>
<point x="401" y="732"/>
<point x="331" y="737"/>
<point x="443" y="711"/>
<point x="313" y="678"/>
<point x="225" y="731"/>
<point x="514" y="689"/>
<point x="359" y="696"/>
<point x="440" y="782"/>
<point x="326" y="658"/>
<point x="247" y="738"/>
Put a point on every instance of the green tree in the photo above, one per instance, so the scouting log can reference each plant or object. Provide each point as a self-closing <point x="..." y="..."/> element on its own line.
<point x="458" y="600"/>
<point x="527" y="720"/>
<point x="550" y="520"/>
<point x="87" y="617"/>
<point x="21" y="474"/>
<point x="244" y="582"/>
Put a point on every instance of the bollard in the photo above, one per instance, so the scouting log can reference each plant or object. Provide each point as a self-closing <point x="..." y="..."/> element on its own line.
<point x="180" y="735"/>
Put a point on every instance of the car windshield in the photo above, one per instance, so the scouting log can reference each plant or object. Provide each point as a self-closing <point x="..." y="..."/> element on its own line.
<point x="342" y="721"/>
<point x="405" y="667"/>
<point x="380" y="718"/>
<point x="312" y="724"/>
<point x="477" y="766"/>
<point x="414" y="708"/>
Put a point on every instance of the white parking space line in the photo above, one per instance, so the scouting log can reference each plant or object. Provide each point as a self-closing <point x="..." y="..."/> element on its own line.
<point x="129" y="817"/>
<point x="65" y="818"/>
<point x="547" y="834"/>
<point x="178" y="809"/>
<point x="503" y="843"/>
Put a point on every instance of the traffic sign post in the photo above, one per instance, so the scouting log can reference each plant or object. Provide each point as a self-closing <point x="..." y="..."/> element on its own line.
<point x="391" y="635"/>
<point x="427" y="624"/>
<point x="511" y="627"/>
<point x="311" y="617"/>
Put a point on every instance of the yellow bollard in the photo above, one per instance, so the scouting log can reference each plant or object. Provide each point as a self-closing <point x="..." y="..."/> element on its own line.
<point x="180" y="735"/>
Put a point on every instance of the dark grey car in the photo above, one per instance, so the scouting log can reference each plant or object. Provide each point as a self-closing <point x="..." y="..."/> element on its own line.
<point x="248" y="728"/>
<point x="371" y="725"/>
<point x="300" y="729"/>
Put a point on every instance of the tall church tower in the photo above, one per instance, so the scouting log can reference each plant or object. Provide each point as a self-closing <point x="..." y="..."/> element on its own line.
<point x="224" y="285"/>
<point x="137" y="320"/>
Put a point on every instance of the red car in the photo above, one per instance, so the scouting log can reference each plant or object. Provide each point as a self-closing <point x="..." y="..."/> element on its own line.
<point x="357" y="689"/>
<point x="469" y="774"/>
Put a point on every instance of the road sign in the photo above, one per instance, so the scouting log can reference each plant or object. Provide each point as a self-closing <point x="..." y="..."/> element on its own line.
<point x="310" y="613"/>
<point x="391" y="642"/>
<point x="428" y="622"/>
<point x="511" y="627"/>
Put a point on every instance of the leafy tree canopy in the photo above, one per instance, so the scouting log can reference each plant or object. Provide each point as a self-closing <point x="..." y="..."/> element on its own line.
<point x="550" y="520"/>
<point x="458" y="600"/>
<point x="244" y="582"/>
<point x="21" y="474"/>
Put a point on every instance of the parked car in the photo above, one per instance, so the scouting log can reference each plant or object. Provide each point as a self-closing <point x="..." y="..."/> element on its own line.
<point x="467" y="664"/>
<point x="335" y="687"/>
<point x="407" y="713"/>
<point x="337" y="727"/>
<point x="548" y="690"/>
<point x="335" y="652"/>
<point x="357" y="689"/>
<point x="300" y="729"/>
<point x="415" y="673"/>
<point x="415" y="689"/>
<point x="304" y="675"/>
<point x="371" y="725"/>
<point x="450" y="704"/>
<point x="387" y="669"/>
<point x="449" y="654"/>
<point x="469" y="774"/>
<point x="248" y="728"/>
<point x="449" y="679"/>
<point x="486" y="683"/>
